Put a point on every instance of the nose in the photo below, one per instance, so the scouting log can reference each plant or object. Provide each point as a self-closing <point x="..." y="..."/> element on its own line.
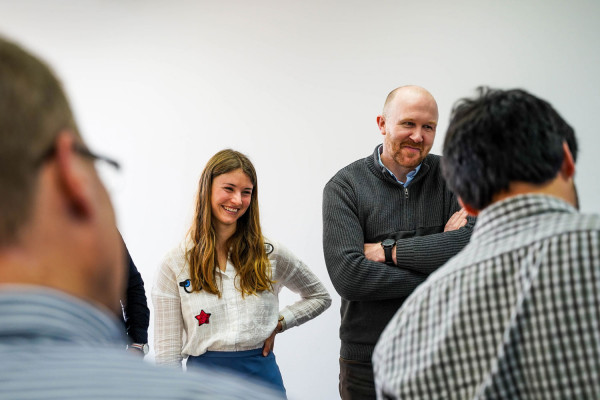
<point x="417" y="135"/>
<point x="236" y="198"/>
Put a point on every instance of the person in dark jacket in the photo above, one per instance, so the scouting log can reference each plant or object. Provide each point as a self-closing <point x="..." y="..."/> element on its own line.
<point x="135" y="308"/>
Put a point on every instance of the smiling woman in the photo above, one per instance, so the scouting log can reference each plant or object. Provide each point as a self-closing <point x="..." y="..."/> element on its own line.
<point x="231" y="194"/>
<point x="221" y="285"/>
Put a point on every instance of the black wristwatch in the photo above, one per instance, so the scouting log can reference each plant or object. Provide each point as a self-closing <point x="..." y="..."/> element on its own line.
<point x="388" y="245"/>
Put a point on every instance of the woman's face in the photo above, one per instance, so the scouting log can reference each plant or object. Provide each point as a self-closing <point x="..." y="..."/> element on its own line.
<point x="231" y="195"/>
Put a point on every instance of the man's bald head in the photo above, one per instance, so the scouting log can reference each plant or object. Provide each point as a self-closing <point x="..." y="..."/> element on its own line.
<point x="407" y="90"/>
<point x="408" y="125"/>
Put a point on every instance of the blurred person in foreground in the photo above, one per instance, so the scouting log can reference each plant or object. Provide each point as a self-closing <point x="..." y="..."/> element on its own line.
<point x="61" y="260"/>
<point x="515" y="315"/>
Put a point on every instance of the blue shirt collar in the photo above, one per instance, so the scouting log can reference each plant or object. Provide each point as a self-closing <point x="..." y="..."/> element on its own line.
<point x="45" y="312"/>
<point x="409" y="177"/>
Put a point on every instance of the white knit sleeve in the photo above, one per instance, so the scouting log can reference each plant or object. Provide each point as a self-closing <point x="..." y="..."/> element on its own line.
<point x="292" y="273"/>
<point x="168" y="319"/>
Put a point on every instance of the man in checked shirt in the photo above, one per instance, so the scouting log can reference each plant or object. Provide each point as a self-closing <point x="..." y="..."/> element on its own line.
<point x="516" y="314"/>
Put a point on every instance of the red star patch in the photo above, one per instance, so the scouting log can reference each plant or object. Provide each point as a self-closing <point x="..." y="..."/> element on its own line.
<point x="203" y="318"/>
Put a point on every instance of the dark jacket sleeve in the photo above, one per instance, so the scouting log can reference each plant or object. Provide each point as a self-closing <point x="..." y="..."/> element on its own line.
<point x="425" y="254"/>
<point x="357" y="278"/>
<point x="135" y="307"/>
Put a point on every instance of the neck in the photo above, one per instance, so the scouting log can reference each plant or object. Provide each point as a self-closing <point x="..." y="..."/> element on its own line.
<point x="223" y="233"/>
<point x="21" y="265"/>
<point x="399" y="171"/>
<point x="18" y="266"/>
<point x="563" y="189"/>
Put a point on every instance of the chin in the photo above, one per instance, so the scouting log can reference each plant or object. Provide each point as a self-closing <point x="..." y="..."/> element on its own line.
<point x="227" y="221"/>
<point x="411" y="163"/>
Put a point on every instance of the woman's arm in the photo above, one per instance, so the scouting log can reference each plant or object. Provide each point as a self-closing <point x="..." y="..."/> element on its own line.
<point x="292" y="273"/>
<point x="168" y="320"/>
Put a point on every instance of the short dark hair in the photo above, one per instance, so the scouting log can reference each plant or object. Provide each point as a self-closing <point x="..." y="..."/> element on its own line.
<point x="33" y="110"/>
<point x="502" y="136"/>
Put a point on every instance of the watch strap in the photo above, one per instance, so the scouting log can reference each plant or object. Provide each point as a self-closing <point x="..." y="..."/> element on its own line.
<point x="283" y="325"/>
<point x="143" y="347"/>
<point x="389" y="260"/>
<point x="388" y="246"/>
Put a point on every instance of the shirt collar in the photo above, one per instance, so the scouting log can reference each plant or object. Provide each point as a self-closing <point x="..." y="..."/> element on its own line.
<point x="409" y="177"/>
<point x="53" y="314"/>
<point x="515" y="210"/>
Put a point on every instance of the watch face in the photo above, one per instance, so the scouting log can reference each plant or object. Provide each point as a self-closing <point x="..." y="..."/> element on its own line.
<point x="145" y="348"/>
<point x="388" y="243"/>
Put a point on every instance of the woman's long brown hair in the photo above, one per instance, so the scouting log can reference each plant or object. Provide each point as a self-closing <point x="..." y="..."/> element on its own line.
<point x="247" y="247"/>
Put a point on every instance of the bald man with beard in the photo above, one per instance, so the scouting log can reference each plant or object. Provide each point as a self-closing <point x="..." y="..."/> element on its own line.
<point x="389" y="221"/>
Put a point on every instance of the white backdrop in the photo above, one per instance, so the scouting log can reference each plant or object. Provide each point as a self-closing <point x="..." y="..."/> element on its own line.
<point x="296" y="85"/>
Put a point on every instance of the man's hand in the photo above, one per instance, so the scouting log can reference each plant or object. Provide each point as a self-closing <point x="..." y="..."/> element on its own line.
<point x="374" y="252"/>
<point x="270" y="342"/>
<point x="456" y="221"/>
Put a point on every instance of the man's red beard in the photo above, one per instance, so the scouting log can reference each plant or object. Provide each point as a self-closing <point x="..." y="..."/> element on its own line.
<point x="408" y="162"/>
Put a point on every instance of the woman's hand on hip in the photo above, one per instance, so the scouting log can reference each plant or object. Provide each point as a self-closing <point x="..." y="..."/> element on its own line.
<point x="270" y="342"/>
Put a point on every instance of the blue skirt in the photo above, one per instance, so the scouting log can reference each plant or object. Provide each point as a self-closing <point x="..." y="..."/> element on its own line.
<point x="250" y="364"/>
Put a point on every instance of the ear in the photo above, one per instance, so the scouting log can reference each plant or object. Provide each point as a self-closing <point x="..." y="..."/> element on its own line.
<point x="73" y="178"/>
<point x="470" y="210"/>
<point x="381" y="124"/>
<point x="567" y="169"/>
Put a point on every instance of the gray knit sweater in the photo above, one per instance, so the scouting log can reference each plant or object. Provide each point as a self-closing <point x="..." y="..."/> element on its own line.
<point x="362" y="204"/>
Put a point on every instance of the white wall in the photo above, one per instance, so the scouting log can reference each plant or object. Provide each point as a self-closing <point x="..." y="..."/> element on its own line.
<point x="296" y="85"/>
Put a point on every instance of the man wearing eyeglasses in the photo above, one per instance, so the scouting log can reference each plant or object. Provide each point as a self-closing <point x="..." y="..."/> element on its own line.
<point x="62" y="268"/>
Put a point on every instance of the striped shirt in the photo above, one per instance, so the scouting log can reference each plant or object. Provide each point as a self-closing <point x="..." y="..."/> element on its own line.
<point x="54" y="346"/>
<point x="515" y="315"/>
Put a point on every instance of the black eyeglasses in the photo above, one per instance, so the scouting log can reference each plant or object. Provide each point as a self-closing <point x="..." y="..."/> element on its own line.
<point x="82" y="150"/>
<point x="85" y="152"/>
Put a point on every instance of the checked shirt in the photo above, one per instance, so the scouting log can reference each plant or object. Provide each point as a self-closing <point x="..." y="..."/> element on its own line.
<point x="515" y="315"/>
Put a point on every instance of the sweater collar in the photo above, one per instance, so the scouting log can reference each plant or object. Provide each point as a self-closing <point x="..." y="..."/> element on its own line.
<point x="383" y="173"/>
<point x="409" y="177"/>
